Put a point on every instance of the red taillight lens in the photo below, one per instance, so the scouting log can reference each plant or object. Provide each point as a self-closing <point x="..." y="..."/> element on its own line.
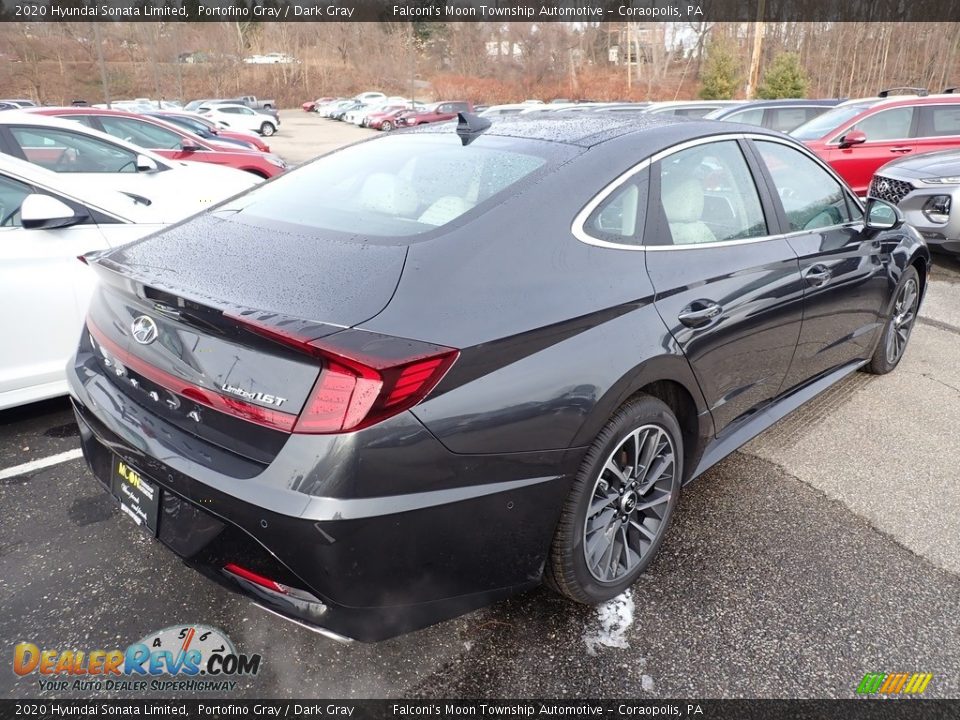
<point x="350" y="395"/>
<point x="366" y="377"/>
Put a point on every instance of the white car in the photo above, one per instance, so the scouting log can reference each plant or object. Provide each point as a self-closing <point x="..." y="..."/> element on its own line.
<point x="175" y="189"/>
<point x="240" y="117"/>
<point x="369" y="97"/>
<point x="47" y="220"/>
<point x="273" y="58"/>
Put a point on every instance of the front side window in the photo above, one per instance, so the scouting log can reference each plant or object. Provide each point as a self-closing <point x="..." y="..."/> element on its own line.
<point x="811" y="197"/>
<point x="397" y="186"/>
<point x="892" y="124"/>
<point x="69" y="152"/>
<point x="752" y="116"/>
<point x="140" y="133"/>
<point x="826" y="122"/>
<point x="12" y="194"/>
<point x="786" y="119"/>
<point x="708" y="195"/>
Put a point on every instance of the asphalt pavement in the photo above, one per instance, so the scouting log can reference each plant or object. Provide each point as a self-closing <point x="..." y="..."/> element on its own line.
<point x="823" y="550"/>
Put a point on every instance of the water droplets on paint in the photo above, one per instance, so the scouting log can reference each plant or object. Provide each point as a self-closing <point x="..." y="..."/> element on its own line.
<point x="614" y="618"/>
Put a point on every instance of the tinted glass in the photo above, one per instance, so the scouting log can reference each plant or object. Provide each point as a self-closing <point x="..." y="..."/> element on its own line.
<point x="67" y="152"/>
<point x="708" y="195"/>
<point x="396" y="186"/>
<point x="786" y="119"/>
<point x="944" y="119"/>
<point x="823" y="124"/>
<point x="619" y="218"/>
<point x="751" y="116"/>
<point x="811" y="197"/>
<point x="12" y="193"/>
<point x="892" y="124"/>
<point x="141" y="133"/>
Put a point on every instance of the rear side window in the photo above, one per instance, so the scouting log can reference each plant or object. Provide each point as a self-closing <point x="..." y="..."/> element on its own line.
<point x="943" y="120"/>
<point x="892" y="124"/>
<point x="397" y="186"/>
<point x="708" y="195"/>
<point x="811" y="197"/>
<point x="619" y="218"/>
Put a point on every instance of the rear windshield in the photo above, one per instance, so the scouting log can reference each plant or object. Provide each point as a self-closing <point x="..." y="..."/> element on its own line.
<point x="398" y="186"/>
<point x="830" y="120"/>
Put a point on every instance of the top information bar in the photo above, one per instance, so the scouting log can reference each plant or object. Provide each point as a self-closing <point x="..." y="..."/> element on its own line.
<point x="478" y="10"/>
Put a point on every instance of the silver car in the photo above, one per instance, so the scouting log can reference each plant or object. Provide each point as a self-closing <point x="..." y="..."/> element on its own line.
<point x="927" y="189"/>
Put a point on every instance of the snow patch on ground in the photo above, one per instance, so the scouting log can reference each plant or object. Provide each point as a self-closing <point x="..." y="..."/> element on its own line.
<point x="615" y="617"/>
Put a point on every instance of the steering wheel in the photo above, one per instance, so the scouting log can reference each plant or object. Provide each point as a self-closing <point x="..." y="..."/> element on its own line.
<point x="127" y="164"/>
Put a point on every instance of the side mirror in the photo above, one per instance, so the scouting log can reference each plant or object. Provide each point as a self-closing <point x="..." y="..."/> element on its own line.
<point x="146" y="164"/>
<point x="187" y="146"/>
<point x="881" y="215"/>
<point x="854" y="137"/>
<point x="42" y="212"/>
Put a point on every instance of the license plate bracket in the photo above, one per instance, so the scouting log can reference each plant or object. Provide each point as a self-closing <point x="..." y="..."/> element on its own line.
<point x="139" y="498"/>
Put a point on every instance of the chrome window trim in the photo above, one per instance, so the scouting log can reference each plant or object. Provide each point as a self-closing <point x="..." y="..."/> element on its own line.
<point x="581" y="218"/>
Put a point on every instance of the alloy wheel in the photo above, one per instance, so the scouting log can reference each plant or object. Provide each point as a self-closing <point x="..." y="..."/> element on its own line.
<point x="901" y="324"/>
<point x="630" y="503"/>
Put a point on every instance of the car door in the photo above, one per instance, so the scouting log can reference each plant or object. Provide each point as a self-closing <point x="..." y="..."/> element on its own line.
<point x="843" y="269"/>
<point x="939" y="127"/>
<point x="44" y="292"/>
<point x="727" y="287"/>
<point x="890" y="134"/>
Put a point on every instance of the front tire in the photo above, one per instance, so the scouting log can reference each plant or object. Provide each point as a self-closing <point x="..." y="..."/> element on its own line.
<point x="899" y="326"/>
<point x="386" y="126"/>
<point x="267" y="129"/>
<point x="620" y="505"/>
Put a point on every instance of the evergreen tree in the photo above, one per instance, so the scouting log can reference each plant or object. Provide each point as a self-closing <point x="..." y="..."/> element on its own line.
<point x="785" y="78"/>
<point x="721" y="72"/>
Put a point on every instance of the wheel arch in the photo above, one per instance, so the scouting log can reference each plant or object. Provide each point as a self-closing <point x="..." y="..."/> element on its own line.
<point x="669" y="379"/>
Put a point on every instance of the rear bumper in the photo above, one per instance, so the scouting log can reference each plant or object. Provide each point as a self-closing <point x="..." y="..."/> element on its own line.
<point x="378" y="565"/>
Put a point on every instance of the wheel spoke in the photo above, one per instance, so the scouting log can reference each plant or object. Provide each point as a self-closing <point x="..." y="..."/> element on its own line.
<point x="618" y="473"/>
<point x="653" y="503"/>
<point x="645" y="458"/>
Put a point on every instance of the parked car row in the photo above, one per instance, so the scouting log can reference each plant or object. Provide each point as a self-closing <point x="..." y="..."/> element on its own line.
<point x="379" y="112"/>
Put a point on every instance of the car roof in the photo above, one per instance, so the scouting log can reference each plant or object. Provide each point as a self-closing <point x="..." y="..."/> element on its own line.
<point x="588" y="129"/>
<point x="728" y="110"/>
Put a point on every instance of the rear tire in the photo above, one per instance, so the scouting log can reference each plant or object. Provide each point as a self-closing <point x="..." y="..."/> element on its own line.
<point x="899" y="326"/>
<point x="267" y="129"/>
<point x="620" y="505"/>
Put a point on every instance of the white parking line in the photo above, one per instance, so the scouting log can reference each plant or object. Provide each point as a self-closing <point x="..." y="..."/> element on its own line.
<point x="41" y="463"/>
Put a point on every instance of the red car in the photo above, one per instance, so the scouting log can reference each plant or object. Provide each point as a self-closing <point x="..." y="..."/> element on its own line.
<point x="859" y="136"/>
<point x="167" y="140"/>
<point x="386" y="118"/>
<point x="311" y="105"/>
<point x="446" y="110"/>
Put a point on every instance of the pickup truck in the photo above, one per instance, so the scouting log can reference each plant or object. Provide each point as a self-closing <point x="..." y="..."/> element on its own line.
<point x="267" y="106"/>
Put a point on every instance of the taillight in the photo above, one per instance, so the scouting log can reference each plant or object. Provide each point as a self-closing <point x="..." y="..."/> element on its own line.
<point x="366" y="377"/>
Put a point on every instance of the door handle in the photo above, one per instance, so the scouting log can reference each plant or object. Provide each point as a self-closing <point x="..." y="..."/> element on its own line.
<point x="817" y="275"/>
<point x="901" y="149"/>
<point x="699" y="313"/>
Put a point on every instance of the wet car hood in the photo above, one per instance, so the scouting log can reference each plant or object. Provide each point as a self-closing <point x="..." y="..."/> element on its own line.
<point x="927" y="165"/>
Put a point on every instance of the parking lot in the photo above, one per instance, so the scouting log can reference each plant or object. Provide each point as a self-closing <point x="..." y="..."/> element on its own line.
<point x="826" y="548"/>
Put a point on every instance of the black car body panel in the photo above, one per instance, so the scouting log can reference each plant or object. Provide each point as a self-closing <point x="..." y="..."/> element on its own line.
<point x="534" y="333"/>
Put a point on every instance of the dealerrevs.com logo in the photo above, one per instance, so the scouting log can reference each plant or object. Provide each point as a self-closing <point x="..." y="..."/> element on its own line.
<point x="179" y="657"/>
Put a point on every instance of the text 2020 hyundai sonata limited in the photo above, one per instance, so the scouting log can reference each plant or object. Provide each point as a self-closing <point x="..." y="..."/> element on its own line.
<point x="432" y="369"/>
